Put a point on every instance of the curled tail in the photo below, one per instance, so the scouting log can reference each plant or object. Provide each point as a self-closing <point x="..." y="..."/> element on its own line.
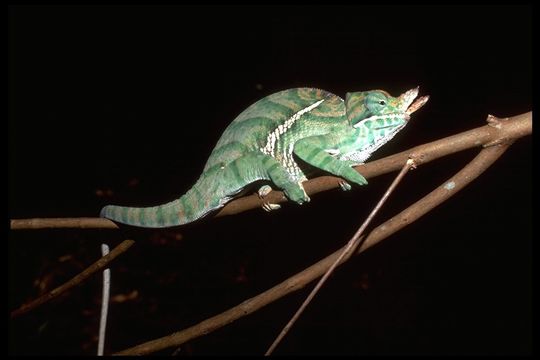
<point x="188" y="208"/>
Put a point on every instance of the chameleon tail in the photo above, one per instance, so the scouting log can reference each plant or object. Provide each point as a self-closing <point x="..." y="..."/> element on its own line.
<point x="213" y="190"/>
<point x="186" y="209"/>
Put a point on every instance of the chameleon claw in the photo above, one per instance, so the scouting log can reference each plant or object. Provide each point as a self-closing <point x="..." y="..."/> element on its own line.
<point x="345" y="186"/>
<point x="270" y="207"/>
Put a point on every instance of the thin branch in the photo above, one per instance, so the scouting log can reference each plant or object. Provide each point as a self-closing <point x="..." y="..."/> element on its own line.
<point x="478" y="165"/>
<point x="104" y="302"/>
<point x="511" y="128"/>
<point x="63" y="223"/>
<point x="77" y="280"/>
<point x="347" y="250"/>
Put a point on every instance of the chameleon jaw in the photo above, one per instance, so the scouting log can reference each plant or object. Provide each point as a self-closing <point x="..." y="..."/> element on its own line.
<point x="421" y="101"/>
<point x="400" y="115"/>
<point x="410" y="102"/>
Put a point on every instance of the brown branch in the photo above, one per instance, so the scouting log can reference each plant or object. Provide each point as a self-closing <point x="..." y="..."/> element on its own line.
<point x="511" y="128"/>
<point x="347" y="250"/>
<point x="62" y="223"/>
<point x="450" y="187"/>
<point x="77" y="280"/>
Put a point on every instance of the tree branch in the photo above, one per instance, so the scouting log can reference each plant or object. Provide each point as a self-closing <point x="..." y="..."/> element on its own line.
<point x="62" y="223"/>
<point x="77" y="280"/>
<point x="428" y="152"/>
<point x="510" y="128"/>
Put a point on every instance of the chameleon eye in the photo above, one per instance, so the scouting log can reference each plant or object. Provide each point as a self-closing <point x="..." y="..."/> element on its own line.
<point x="382" y="102"/>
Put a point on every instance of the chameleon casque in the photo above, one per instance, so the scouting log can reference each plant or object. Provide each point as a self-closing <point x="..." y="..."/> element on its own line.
<point x="281" y="139"/>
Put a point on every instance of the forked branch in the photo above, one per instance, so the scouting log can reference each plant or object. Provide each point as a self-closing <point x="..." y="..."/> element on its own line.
<point x="498" y="136"/>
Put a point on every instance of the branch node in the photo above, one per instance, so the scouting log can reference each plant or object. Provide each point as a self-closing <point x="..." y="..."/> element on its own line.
<point x="411" y="162"/>
<point x="494" y="121"/>
<point x="417" y="157"/>
<point x="497" y="123"/>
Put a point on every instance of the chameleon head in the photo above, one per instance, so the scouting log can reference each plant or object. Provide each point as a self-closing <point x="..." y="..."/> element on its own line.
<point x="382" y="114"/>
<point x="376" y="117"/>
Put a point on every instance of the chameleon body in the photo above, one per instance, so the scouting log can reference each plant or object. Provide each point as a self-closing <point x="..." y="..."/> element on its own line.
<point x="282" y="139"/>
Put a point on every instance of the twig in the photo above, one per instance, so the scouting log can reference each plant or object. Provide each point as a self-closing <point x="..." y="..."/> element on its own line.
<point x="347" y="250"/>
<point x="512" y="128"/>
<point x="478" y="165"/>
<point x="104" y="303"/>
<point x="77" y="280"/>
<point x="62" y="223"/>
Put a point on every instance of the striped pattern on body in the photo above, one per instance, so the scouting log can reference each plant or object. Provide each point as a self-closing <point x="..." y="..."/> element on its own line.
<point x="251" y="129"/>
<point x="268" y="128"/>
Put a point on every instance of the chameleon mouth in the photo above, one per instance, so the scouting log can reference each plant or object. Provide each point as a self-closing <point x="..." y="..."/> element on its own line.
<point x="410" y="103"/>
<point x="421" y="101"/>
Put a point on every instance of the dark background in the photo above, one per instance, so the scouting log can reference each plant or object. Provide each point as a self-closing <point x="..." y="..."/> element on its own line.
<point x="123" y="104"/>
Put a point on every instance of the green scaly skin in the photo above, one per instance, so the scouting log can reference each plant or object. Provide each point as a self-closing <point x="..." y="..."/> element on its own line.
<point x="280" y="139"/>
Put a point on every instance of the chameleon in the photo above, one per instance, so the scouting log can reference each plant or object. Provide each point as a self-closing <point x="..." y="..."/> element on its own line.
<point x="281" y="140"/>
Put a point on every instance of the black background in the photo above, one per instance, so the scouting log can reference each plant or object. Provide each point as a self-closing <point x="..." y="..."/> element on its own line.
<point x="123" y="104"/>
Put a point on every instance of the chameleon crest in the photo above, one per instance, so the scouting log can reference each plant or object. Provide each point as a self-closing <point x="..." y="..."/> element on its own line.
<point x="282" y="139"/>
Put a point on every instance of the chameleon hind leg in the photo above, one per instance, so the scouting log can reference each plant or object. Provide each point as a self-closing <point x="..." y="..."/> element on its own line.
<point x="255" y="166"/>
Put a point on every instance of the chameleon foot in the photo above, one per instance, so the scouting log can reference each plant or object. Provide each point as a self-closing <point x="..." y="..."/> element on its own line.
<point x="353" y="176"/>
<point x="270" y="207"/>
<point x="345" y="186"/>
<point x="264" y="190"/>
<point x="297" y="194"/>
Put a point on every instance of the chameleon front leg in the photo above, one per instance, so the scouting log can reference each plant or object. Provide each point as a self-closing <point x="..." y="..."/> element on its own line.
<point x="311" y="151"/>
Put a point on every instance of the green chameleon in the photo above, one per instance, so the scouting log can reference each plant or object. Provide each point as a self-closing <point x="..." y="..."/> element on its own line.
<point x="280" y="139"/>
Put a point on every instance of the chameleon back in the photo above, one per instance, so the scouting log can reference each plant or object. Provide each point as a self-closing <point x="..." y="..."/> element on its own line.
<point x="249" y="130"/>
